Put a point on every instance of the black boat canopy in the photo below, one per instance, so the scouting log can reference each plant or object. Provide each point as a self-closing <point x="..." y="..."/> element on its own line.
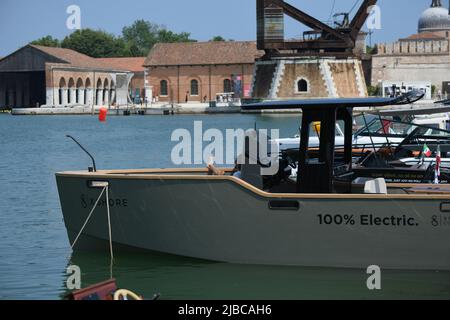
<point x="408" y="98"/>
<point x="317" y="175"/>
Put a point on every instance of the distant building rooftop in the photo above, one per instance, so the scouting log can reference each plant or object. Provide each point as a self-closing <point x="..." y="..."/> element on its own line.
<point x="203" y="53"/>
<point x="75" y="59"/>
<point x="424" y="36"/>
<point x="134" y="64"/>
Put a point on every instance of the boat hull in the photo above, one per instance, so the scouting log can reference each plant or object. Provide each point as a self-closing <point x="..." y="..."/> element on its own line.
<point x="224" y="219"/>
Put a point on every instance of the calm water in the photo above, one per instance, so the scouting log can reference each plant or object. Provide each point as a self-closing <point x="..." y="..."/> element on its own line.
<point x="34" y="250"/>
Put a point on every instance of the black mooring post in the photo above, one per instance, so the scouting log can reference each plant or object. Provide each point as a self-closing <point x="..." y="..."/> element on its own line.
<point x="87" y="152"/>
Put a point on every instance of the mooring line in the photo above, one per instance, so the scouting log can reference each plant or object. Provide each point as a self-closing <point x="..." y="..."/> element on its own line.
<point x="105" y="189"/>
<point x="110" y="233"/>
<point x="89" y="217"/>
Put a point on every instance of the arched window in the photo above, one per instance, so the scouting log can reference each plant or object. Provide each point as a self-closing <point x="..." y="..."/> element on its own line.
<point x="194" y="87"/>
<point x="164" y="88"/>
<point x="227" y="86"/>
<point x="302" y="86"/>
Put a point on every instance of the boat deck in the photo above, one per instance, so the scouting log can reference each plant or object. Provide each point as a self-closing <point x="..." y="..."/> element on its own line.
<point x="395" y="190"/>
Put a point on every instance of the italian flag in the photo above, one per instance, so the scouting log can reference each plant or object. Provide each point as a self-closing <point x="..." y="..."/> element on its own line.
<point x="426" y="151"/>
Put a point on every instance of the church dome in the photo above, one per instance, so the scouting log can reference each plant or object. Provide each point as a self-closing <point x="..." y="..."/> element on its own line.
<point x="433" y="19"/>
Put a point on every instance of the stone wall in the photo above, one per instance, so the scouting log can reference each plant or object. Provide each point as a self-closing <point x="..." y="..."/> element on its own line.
<point x="414" y="47"/>
<point x="293" y="72"/>
<point x="325" y="77"/>
<point x="434" y="68"/>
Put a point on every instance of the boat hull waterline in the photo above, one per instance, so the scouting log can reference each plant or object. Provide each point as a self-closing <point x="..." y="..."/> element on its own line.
<point x="227" y="220"/>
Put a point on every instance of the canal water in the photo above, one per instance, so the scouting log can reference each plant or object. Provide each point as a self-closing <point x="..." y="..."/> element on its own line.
<point x="34" y="250"/>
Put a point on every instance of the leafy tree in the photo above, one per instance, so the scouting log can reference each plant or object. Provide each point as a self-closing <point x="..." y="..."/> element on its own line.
<point x="167" y="36"/>
<point x="433" y="89"/>
<point x="218" y="39"/>
<point x="136" y="40"/>
<point x="373" y="91"/>
<point x="372" y="50"/>
<point x="142" y="35"/>
<point x="47" y="41"/>
<point x="96" y="44"/>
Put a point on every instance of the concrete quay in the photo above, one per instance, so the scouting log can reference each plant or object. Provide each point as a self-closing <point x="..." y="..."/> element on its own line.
<point x="155" y="109"/>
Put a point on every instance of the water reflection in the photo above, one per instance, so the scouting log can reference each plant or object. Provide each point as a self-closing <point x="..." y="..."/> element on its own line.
<point x="183" y="278"/>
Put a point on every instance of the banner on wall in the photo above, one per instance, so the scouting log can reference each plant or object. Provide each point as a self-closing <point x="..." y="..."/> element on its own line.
<point x="237" y="86"/>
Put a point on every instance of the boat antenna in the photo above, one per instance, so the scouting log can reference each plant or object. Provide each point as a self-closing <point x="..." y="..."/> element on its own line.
<point x="87" y="152"/>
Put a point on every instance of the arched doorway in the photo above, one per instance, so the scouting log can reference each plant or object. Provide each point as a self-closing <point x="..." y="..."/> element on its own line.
<point x="80" y="92"/>
<point x="106" y="92"/>
<point x="62" y="92"/>
<point x="112" y="92"/>
<point x="72" y="92"/>
<point x="99" y="93"/>
<point x="88" y="96"/>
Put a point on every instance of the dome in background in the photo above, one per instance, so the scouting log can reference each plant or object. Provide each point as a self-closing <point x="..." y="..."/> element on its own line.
<point x="433" y="19"/>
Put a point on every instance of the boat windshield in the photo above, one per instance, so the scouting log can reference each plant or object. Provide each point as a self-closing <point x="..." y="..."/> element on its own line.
<point x="423" y="135"/>
<point x="386" y="127"/>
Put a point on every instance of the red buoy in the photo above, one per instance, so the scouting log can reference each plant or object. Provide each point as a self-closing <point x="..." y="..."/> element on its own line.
<point x="103" y="114"/>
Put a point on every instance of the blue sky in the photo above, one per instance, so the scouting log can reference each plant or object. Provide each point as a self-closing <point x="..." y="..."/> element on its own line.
<point x="22" y="21"/>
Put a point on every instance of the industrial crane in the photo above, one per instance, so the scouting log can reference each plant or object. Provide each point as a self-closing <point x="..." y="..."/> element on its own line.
<point x="323" y="40"/>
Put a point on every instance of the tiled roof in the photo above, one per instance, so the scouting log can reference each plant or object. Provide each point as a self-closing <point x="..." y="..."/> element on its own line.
<point x="424" y="36"/>
<point x="76" y="59"/>
<point x="203" y="53"/>
<point x="131" y="64"/>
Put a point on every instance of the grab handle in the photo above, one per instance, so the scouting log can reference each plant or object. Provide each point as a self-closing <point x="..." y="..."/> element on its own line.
<point x="92" y="184"/>
<point x="284" y="205"/>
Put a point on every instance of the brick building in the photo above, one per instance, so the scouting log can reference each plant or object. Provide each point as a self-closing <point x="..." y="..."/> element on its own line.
<point x="201" y="71"/>
<point x="37" y="76"/>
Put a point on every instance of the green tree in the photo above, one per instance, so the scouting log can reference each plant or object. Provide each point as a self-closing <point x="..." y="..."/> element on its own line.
<point x="167" y="36"/>
<point x="47" y="41"/>
<point x="372" y="50"/>
<point x="218" y="39"/>
<point x="136" y="40"/>
<point x="142" y="35"/>
<point x="96" y="44"/>
<point x="373" y="91"/>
